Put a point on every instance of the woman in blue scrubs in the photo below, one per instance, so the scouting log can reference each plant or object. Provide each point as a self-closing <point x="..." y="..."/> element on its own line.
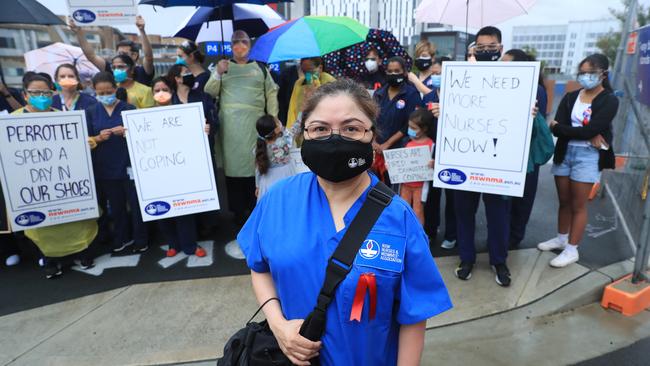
<point x="69" y="98"/>
<point x="289" y="265"/>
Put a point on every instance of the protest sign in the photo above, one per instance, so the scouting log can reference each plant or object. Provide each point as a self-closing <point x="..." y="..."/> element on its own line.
<point x="171" y="161"/>
<point x="296" y="160"/>
<point x="643" y="66"/>
<point x="409" y="164"/>
<point x="47" y="173"/>
<point x="87" y="13"/>
<point x="485" y="126"/>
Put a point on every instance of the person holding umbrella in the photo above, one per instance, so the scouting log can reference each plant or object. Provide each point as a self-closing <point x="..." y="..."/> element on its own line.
<point x="189" y="55"/>
<point x="312" y="78"/>
<point x="245" y="92"/>
<point x="143" y="74"/>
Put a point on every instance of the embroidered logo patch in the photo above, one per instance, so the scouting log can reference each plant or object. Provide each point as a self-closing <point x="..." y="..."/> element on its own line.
<point x="382" y="251"/>
<point x="369" y="249"/>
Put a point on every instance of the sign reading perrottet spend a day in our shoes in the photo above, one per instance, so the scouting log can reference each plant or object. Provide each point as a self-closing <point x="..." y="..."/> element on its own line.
<point x="47" y="173"/>
<point x="485" y="126"/>
<point x="171" y="161"/>
<point x="87" y="13"/>
<point x="410" y="164"/>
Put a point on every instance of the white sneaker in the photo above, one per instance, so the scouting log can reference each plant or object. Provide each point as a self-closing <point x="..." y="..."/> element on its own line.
<point x="565" y="258"/>
<point x="12" y="260"/>
<point x="448" y="244"/>
<point x="552" y="244"/>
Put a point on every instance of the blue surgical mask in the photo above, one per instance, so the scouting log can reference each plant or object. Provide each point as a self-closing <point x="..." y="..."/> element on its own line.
<point x="435" y="81"/>
<point x="412" y="133"/>
<point x="180" y="61"/>
<point x="41" y="102"/>
<point x="120" y="75"/>
<point x="107" y="99"/>
<point x="589" y="81"/>
<point x="57" y="86"/>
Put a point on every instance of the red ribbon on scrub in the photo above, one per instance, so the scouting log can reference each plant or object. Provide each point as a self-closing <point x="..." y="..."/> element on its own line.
<point x="366" y="282"/>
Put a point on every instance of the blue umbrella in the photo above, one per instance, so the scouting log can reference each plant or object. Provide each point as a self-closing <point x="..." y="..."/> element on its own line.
<point x="253" y="19"/>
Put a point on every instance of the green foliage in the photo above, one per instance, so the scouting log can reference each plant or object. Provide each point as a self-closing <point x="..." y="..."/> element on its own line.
<point x="610" y="42"/>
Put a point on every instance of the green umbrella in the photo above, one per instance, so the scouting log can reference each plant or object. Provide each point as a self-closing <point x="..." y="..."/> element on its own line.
<point x="309" y="36"/>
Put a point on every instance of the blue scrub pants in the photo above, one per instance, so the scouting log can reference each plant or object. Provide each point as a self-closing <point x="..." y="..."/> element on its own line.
<point x="180" y="233"/>
<point x="115" y="192"/>
<point x="497" y="211"/>
<point x="432" y="213"/>
<point x="140" y="228"/>
<point x="522" y="207"/>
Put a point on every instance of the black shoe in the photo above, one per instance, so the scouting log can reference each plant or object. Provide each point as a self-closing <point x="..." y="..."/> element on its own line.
<point x="464" y="270"/>
<point x="503" y="274"/>
<point x="86" y="263"/>
<point x="52" y="271"/>
<point x="123" y="246"/>
<point x="140" y="248"/>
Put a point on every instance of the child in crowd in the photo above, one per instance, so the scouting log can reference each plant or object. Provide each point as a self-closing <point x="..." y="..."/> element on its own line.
<point x="111" y="162"/>
<point x="272" y="152"/>
<point x="420" y="121"/>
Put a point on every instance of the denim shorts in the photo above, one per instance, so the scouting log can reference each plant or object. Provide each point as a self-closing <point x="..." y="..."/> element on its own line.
<point x="580" y="164"/>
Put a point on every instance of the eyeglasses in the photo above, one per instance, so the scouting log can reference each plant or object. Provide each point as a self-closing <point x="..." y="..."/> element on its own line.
<point x="322" y="131"/>
<point x="487" y="47"/>
<point x="40" y="93"/>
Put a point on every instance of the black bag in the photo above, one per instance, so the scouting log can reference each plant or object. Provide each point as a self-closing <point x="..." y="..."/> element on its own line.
<point x="255" y="345"/>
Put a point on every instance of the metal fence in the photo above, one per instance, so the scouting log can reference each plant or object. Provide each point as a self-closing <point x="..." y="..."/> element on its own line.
<point x="628" y="184"/>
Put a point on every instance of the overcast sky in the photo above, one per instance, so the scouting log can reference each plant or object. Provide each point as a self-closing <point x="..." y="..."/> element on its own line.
<point x="545" y="12"/>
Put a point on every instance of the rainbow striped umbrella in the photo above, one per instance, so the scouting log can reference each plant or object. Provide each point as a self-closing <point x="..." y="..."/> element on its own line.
<point x="309" y="36"/>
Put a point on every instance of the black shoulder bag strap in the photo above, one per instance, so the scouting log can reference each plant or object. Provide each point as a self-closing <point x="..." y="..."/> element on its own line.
<point x="340" y="264"/>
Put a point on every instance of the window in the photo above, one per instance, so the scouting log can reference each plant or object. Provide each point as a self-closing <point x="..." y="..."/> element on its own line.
<point x="573" y="36"/>
<point x="547" y="38"/>
<point x="15" y="71"/>
<point x="93" y="38"/>
<point x="7" y="42"/>
<point x="590" y="44"/>
<point x="572" y="45"/>
<point x="552" y="38"/>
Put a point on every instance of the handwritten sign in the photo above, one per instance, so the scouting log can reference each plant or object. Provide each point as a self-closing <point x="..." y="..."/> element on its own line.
<point x="409" y="164"/>
<point x="296" y="160"/>
<point x="47" y="173"/>
<point x="87" y="13"/>
<point x="171" y="161"/>
<point x="485" y="126"/>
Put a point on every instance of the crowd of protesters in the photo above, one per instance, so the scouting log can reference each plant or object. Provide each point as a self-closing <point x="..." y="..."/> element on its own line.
<point x="253" y="122"/>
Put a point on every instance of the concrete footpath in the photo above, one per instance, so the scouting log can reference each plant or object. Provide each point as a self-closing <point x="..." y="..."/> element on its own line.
<point x="540" y="319"/>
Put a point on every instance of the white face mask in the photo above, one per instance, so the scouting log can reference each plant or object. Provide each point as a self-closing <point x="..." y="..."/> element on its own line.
<point x="371" y="65"/>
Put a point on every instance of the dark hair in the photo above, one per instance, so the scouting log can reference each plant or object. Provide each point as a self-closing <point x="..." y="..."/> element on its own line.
<point x="189" y="48"/>
<point x="599" y="61"/>
<point x="70" y="67"/>
<point x="489" y="31"/>
<point x="422" y="118"/>
<point x="170" y="82"/>
<point x="35" y="77"/>
<point x="27" y="75"/>
<point x="399" y="60"/>
<point x="173" y="73"/>
<point x="541" y="80"/>
<point x="104" y="77"/>
<point x="316" y="60"/>
<point x="47" y="77"/>
<point x="128" y="43"/>
<point x="440" y="60"/>
<point x="265" y="126"/>
<point x="127" y="60"/>
<point x="347" y="87"/>
<point x="518" y="55"/>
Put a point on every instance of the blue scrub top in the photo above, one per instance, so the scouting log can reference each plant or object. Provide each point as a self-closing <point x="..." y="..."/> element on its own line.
<point x="84" y="103"/>
<point x="295" y="252"/>
<point x="542" y="100"/>
<point x="200" y="80"/>
<point x="209" y="110"/>
<point x="111" y="157"/>
<point x="394" y="113"/>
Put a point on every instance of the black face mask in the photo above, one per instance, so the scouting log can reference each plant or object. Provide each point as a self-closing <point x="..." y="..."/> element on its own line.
<point x="395" y="79"/>
<point x="337" y="159"/>
<point x="488" y="56"/>
<point x="188" y="79"/>
<point x="423" y="63"/>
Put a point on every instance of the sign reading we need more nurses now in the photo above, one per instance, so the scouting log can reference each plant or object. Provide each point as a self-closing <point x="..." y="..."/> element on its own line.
<point x="485" y="126"/>
<point x="171" y="161"/>
<point x="47" y="173"/>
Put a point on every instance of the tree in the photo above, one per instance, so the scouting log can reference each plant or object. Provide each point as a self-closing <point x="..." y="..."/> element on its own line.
<point x="532" y="52"/>
<point x="610" y="42"/>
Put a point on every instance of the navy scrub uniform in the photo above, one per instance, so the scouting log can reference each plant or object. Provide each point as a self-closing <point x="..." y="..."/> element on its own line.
<point x="409" y="286"/>
<point x="394" y="113"/>
<point x="110" y="162"/>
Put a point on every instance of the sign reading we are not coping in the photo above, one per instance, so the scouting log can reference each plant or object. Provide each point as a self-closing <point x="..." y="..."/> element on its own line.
<point x="485" y="126"/>
<point x="171" y="161"/>
<point x="46" y="169"/>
